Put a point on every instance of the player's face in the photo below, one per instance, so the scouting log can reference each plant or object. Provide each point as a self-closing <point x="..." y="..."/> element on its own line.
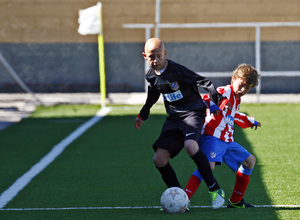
<point x="240" y="87"/>
<point x="156" y="58"/>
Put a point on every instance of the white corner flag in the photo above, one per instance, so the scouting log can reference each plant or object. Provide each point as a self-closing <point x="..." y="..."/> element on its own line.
<point x="90" y="21"/>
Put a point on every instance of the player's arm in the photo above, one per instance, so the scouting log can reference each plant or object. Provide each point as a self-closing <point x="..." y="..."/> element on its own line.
<point x="245" y="121"/>
<point x="224" y="104"/>
<point x="138" y="122"/>
<point x="215" y="97"/>
<point x="193" y="78"/>
<point x="256" y="124"/>
<point x="213" y="108"/>
<point x="152" y="97"/>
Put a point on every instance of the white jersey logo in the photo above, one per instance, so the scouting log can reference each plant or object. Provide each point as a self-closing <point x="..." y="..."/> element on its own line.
<point x="172" y="97"/>
<point x="230" y="120"/>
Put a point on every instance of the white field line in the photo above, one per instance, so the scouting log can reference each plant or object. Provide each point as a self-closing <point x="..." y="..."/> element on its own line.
<point x="22" y="181"/>
<point x="131" y="207"/>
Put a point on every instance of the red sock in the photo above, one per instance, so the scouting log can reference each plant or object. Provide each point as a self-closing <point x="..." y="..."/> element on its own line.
<point x="192" y="186"/>
<point x="241" y="184"/>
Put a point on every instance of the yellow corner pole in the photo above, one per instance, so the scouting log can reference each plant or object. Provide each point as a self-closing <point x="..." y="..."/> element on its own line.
<point x="101" y="60"/>
<point x="102" y="69"/>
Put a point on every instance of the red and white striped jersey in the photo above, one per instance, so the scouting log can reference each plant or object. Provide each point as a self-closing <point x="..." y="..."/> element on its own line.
<point x="222" y="126"/>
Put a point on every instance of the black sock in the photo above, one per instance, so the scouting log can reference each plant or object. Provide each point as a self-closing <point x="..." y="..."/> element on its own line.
<point x="169" y="176"/>
<point x="204" y="168"/>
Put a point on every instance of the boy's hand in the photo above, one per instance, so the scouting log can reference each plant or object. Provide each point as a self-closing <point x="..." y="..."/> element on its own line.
<point x="214" y="109"/>
<point x="256" y="124"/>
<point x="228" y="106"/>
<point x="216" y="112"/>
<point x="138" y="123"/>
<point x="225" y="104"/>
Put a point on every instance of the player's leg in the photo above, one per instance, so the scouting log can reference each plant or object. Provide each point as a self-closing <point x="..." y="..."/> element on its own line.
<point x="202" y="163"/>
<point x="191" y="127"/>
<point x="243" y="173"/>
<point x="214" y="149"/>
<point x="242" y="181"/>
<point x="217" y="194"/>
<point x="249" y="162"/>
<point x="161" y="161"/>
<point x="195" y="181"/>
<point x="168" y="145"/>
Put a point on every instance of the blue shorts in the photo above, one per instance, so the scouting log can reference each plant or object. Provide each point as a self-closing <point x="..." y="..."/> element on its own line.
<point x="218" y="151"/>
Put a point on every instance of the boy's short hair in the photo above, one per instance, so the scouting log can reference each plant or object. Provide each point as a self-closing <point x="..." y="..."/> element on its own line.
<point x="248" y="73"/>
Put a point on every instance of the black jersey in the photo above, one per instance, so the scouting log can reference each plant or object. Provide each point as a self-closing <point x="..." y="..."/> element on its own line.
<point x="179" y="88"/>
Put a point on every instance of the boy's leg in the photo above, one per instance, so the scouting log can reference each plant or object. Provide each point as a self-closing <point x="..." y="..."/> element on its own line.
<point x="161" y="161"/>
<point x="235" y="153"/>
<point x="191" y="127"/>
<point x="208" y="145"/>
<point x="203" y="166"/>
<point x="193" y="183"/>
<point x="217" y="194"/>
<point x="242" y="179"/>
<point x="241" y="184"/>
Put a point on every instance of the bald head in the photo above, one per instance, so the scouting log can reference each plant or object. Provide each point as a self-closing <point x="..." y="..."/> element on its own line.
<point x="154" y="44"/>
<point x="155" y="53"/>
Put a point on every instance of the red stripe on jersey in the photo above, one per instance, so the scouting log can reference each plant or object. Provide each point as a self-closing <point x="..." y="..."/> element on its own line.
<point x="222" y="125"/>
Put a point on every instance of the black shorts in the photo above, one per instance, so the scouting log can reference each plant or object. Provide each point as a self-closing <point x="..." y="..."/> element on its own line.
<point x="177" y="129"/>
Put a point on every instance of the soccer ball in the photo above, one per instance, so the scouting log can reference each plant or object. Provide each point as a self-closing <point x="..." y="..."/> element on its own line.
<point x="174" y="200"/>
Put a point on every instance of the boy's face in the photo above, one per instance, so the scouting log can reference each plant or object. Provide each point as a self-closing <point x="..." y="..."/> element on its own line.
<point x="156" y="57"/>
<point x="240" y="86"/>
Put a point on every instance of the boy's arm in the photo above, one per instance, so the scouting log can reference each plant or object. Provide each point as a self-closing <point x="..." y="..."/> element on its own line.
<point x="192" y="77"/>
<point x="224" y="104"/>
<point x="152" y="97"/>
<point x="256" y="124"/>
<point x="245" y="121"/>
<point x="210" y="104"/>
<point x="215" y="97"/>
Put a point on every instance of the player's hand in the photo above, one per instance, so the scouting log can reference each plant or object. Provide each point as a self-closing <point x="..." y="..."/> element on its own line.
<point x="138" y="123"/>
<point x="228" y="106"/>
<point x="216" y="112"/>
<point x="258" y="124"/>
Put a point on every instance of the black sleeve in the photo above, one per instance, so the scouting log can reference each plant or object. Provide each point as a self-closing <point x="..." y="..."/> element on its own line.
<point x="208" y="85"/>
<point x="152" y="97"/>
<point x="194" y="78"/>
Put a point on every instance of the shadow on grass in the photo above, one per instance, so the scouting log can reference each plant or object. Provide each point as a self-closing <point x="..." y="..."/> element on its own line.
<point x="256" y="193"/>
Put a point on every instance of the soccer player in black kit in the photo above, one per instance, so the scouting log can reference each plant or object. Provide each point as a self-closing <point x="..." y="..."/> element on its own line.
<point x="186" y="114"/>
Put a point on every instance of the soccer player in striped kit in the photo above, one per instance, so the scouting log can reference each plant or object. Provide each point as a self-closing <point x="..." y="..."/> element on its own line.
<point x="217" y="136"/>
<point x="186" y="115"/>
